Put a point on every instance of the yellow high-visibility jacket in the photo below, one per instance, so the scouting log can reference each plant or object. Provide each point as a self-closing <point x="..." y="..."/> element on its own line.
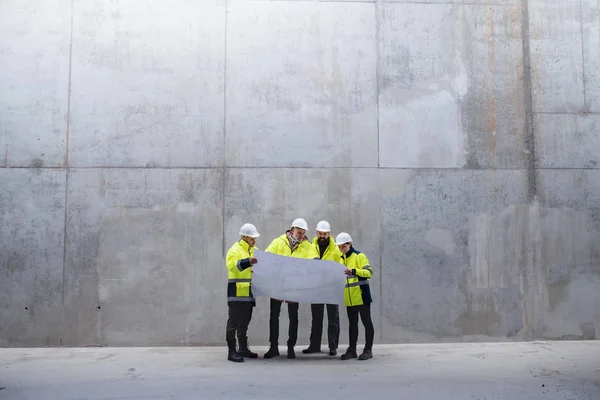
<point x="281" y="246"/>
<point x="332" y="252"/>
<point x="357" y="290"/>
<point x="239" y="275"/>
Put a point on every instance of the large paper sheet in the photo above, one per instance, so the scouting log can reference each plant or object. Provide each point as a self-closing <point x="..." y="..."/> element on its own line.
<point x="297" y="279"/>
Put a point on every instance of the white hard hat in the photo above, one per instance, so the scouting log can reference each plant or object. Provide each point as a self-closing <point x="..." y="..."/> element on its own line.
<point x="342" y="238"/>
<point x="300" y="223"/>
<point x="249" y="230"/>
<point x="323" y="226"/>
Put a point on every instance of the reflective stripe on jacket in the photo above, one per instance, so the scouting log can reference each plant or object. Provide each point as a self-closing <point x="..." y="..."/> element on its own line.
<point x="357" y="290"/>
<point x="281" y="246"/>
<point x="332" y="252"/>
<point x="239" y="275"/>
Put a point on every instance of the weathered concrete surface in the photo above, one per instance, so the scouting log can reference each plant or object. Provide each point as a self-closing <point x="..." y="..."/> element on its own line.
<point x="451" y="95"/>
<point x="446" y="238"/>
<point x="519" y="371"/>
<point x="34" y="82"/>
<point x="148" y="133"/>
<point x="134" y="66"/>
<point x="567" y="140"/>
<point x="32" y="216"/>
<point x="143" y="257"/>
<point x="308" y="99"/>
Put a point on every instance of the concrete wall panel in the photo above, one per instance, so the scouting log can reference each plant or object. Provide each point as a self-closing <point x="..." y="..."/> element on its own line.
<point x="272" y="198"/>
<point x="450" y="95"/>
<point x="468" y="2"/>
<point x="34" y="82"/>
<point x="567" y="140"/>
<point x="144" y="257"/>
<point x="32" y="215"/>
<point x="568" y="256"/>
<point x="451" y="232"/>
<point x="590" y="25"/>
<point x="301" y="85"/>
<point x="556" y="56"/>
<point x="147" y="84"/>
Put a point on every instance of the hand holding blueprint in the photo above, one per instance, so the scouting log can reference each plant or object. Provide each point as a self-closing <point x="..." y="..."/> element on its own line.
<point x="297" y="279"/>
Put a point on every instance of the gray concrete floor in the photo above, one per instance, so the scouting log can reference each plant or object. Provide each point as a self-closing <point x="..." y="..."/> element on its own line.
<point x="514" y="371"/>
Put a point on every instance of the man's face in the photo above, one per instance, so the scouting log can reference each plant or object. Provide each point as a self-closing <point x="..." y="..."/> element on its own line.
<point x="323" y="237"/>
<point x="344" y="247"/>
<point x="298" y="233"/>
<point x="251" y="241"/>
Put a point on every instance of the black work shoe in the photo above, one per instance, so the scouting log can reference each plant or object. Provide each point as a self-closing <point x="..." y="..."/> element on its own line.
<point x="311" y="350"/>
<point x="273" y="352"/>
<point x="246" y="353"/>
<point x="350" y="353"/>
<point x="291" y="353"/>
<point x="235" y="357"/>
<point x="366" y="354"/>
<point x="332" y="352"/>
<point x="245" y="350"/>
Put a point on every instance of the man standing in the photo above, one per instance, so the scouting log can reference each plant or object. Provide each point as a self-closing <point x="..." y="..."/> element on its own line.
<point x="293" y="243"/>
<point x="239" y="260"/>
<point x="357" y="296"/>
<point x="327" y="249"/>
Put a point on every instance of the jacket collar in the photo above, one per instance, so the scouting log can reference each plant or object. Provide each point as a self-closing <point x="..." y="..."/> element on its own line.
<point x="244" y="245"/>
<point x="350" y="252"/>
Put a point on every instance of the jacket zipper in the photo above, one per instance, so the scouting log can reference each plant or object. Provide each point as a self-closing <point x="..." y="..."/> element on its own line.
<point x="348" y="283"/>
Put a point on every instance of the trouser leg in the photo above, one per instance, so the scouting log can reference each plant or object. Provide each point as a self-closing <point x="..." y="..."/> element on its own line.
<point x="245" y="317"/>
<point x="233" y="322"/>
<point x="365" y="317"/>
<point x="333" y="326"/>
<point x="274" y="322"/>
<point x="353" y="326"/>
<point x="316" y="328"/>
<point x="293" y="327"/>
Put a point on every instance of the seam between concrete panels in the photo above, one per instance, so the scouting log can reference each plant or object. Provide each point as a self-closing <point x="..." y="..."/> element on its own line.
<point x="585" y="106"/>
<point x="377" y="74"/>
<point x="67" y="171"/>
<point x="378" y="10"/>
<point x="279" y="167"/>
<point x="529" y="133"/>
<point x="224" y="144"/>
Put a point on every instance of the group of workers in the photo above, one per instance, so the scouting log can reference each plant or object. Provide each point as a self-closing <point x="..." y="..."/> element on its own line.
<point x="294" y="243"/>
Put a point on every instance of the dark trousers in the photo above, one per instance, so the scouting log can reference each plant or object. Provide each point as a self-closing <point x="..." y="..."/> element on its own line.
<point x="274" y="323"/>
<point x="364" y="311"/>
<point x="333" y="325"/>
<point x="240" y="315"/>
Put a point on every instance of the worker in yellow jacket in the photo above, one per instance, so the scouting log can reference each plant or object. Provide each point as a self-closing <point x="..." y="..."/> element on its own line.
<point x="293" y="243"/>
<point x="239" y="261"/>
<point x="357" y="296"/>
<point x="327" y="250"/>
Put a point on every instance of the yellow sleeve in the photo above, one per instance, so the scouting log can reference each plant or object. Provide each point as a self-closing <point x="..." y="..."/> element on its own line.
<point x="272" y="248"/>
<point x="337" y="255"/>
<point x="364" y="269"/>
<point x="310" y="251"/>
<point x="233" y="261"/>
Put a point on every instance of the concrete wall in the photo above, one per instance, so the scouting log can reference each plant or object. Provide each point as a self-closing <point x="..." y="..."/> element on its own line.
<point x="457" y="142"/>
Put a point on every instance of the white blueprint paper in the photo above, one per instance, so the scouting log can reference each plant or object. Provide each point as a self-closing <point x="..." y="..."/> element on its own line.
<point x="298" y="279"/>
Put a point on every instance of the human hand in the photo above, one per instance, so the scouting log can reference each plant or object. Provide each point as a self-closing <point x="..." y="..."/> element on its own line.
<point x="253" y="261"/>
<point x="348" y="271"/>
<point x="251" y="270"/>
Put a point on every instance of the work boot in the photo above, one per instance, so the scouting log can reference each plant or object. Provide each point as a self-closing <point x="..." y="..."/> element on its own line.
<point x="311" y="350"/>
<point x="233" y="354"/>
<point x="366" y="354"/>
<point x="273" y="352"/>
<point x="332" y="352"/>
<point x="291" y="353"/>
<point x="350" y="353"/>
<point x="244" y="350"/>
